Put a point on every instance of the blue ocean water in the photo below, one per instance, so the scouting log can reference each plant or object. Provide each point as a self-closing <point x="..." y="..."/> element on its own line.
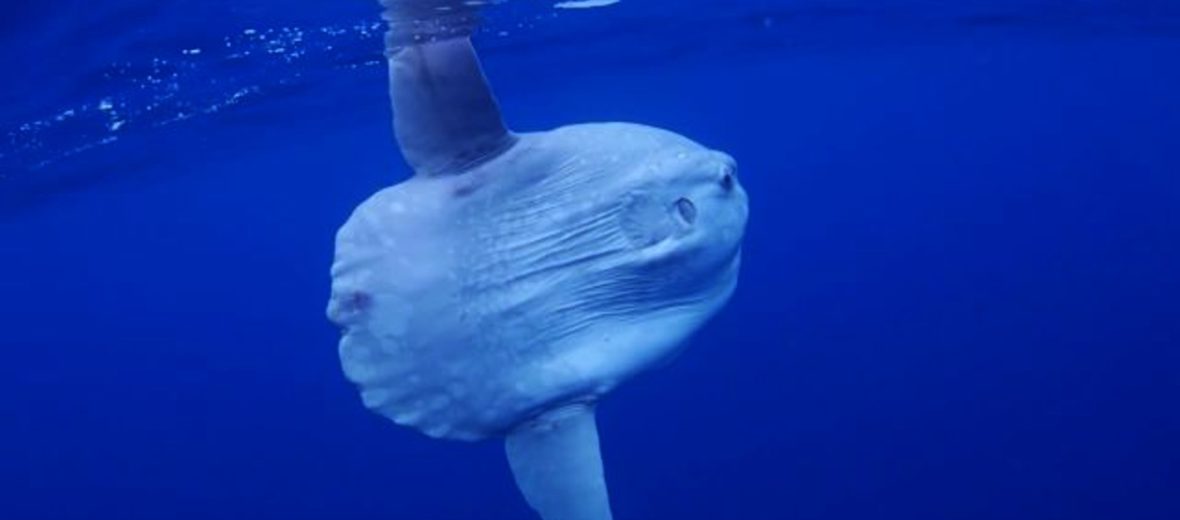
<point x="958" y="297"/>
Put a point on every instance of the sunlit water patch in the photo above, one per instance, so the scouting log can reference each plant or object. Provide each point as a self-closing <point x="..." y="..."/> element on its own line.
<point x="135" y="84"/>
<point x="136" y="95"/>
<point x="155" y="85"/>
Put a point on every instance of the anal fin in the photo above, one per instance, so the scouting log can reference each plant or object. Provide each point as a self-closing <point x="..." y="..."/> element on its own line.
<point x="556" y="461"/>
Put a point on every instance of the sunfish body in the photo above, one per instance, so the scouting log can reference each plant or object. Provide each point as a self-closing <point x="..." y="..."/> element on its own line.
<point x="518" y="278"/>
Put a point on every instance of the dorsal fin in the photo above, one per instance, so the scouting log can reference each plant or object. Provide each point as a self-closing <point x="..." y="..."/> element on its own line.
<point x="444" y="114"/>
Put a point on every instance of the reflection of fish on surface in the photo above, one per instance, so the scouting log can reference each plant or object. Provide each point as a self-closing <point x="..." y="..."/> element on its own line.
<point x="585" y="4"/>
<point x="418" y="21"/>
<point x="518" y="278"/>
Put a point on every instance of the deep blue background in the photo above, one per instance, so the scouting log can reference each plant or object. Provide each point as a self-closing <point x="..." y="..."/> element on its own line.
<point x="959" y="297"/>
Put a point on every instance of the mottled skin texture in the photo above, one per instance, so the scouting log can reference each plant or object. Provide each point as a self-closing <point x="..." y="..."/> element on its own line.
<point x="473" y="302"/>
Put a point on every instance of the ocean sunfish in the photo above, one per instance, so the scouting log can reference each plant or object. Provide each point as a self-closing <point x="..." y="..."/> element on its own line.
<point x="517" y="278"/>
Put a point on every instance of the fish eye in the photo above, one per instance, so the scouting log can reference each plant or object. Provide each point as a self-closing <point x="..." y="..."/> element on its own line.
<point x="687" y="210"/>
